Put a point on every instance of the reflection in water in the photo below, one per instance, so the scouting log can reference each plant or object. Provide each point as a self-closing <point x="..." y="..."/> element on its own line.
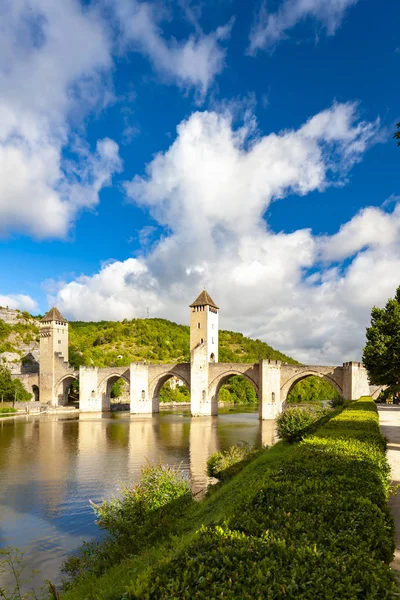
<point x="50" y="466"/>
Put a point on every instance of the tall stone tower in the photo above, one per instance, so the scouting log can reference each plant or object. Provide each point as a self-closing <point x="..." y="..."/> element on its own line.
<point x="53" y="348"/>
<point x="203" y="351"/>
<point x="204" y="325"/>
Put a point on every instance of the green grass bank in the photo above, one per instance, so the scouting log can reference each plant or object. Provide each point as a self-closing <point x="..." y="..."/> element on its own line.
<point x="301" y="521"/>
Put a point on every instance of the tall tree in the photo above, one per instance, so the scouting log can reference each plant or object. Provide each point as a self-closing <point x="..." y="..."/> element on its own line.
<point x="382" y="350"/>
<point x="11" y="389"/>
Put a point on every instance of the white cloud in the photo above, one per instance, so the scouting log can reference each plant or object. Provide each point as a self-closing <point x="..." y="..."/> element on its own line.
<point x="191" y="63"/>
<point x="371" y="227"/>
<point x="270" y="28"/>
<point x="210" y="190"/>
<point x="54" y="57"/>
<point x="20" y="301"/>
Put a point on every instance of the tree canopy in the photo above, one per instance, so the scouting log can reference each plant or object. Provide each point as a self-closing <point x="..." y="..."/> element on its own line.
<point x="397" y="134"/>
<point x="12" y="389"/>
<point x="382" y="351"/>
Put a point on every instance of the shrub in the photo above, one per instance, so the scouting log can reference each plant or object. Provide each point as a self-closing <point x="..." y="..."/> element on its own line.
<point x="224" y="464"/>
<point x="141" y="516"/>
<point x="293" y="423"/>
<point x="7" y="409"/>
<point x="336" y="402"/>
<point x="313" y="524"/>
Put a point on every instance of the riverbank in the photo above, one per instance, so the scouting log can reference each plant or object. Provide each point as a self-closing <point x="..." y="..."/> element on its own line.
<point x="295" y="518"/>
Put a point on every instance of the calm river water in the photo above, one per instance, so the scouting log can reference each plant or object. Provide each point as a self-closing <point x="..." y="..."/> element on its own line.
<point x="51" y="466"/>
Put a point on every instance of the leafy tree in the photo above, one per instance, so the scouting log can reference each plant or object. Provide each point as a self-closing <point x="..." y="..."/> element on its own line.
<point x="312" y="389"/>
<point x="382" y="351"/>
<point x="117" y="389"/>
<point x="238" y="390"/>
<point x="11" y="389"/>
<point x="397" y="134"/>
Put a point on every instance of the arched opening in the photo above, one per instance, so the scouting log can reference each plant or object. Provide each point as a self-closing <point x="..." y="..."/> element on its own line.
<point x="68" y="392"/>
<point x="312" y="389"/>
<point x="116" y="393"/>
<point x="170" y="390"/>
<point x="234" y="389"/>
<point x="35" y="392"/>
<point x="212" y="357"/>
<point x="237" y="390"/>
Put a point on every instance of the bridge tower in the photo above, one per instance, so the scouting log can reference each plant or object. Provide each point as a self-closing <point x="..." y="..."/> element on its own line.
<point x="203" y="350"/>
<point x="53" y="347"/>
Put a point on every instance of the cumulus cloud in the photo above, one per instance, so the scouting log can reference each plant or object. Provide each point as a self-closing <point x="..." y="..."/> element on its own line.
<point x="54" y="57"/>
<point x="270" y="28"/>
<point x="210" y="191"/>
<point x="20" y="301"/>
<point x="191" y="63"/>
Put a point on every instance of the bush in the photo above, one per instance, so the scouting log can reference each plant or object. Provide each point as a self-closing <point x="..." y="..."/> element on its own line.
<point x="336" y="402"/>
<point x="313" y="524"/>
<point x="7" y="410"/>
<point x="224" y="464"/>
<point x="294" y="423"/>
<point x="141" y="516"/>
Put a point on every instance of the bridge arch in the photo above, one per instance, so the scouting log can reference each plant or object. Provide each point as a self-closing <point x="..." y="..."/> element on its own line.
<point x="63" y="386"/>
<point x="157" y="382"/>
<point x="105" y="385"/>
<point x="289" y="384"/>
<point x="220" y="379"/>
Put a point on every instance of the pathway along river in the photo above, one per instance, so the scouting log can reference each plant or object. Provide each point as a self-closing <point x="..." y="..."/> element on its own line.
<point x="51" y="466"/>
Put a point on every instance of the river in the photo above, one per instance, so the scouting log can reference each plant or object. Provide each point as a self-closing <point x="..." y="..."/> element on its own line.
<point x="50" y="466"/>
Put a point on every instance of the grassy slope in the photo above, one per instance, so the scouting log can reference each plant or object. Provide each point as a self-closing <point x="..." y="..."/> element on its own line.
<point x="155" y="340"/>
<point x="321" y="505"/>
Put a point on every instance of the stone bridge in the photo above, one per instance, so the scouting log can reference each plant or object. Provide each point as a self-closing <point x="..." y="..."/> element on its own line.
<point x="271" y="380"/>
<point x="203" y="375"/>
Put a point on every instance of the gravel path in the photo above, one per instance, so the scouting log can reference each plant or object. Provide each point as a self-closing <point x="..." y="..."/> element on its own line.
<point x="389" y="417"/>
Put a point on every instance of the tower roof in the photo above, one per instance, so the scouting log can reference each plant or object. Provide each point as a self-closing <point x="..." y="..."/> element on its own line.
<point x="204" y="300"/>
<point x="54" y="315"/>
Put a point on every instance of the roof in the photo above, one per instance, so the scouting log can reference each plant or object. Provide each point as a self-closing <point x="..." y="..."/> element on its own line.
<point x="204" y="300"/>
<point x="54" y="315"/>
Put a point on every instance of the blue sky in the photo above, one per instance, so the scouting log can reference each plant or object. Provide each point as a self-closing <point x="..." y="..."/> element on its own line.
<point x="148" y="149"/>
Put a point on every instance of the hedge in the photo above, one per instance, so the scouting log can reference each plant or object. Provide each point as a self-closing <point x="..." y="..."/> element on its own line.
<point x="314" y="525"/>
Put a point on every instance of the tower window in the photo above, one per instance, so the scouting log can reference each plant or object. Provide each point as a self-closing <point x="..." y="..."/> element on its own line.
<point x="198" y="325"/>
<point x="212" y="340"/>
<point x="59" y="341"/>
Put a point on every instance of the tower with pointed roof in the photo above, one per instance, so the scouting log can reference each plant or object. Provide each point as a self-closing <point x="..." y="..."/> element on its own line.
<point x="53" y="348"/>
<point x="204" y="325"/>
<point x="203" y="351"/>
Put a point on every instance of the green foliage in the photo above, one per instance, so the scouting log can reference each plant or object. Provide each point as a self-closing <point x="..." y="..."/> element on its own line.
<point x="117" y="388"/>
<point x="312" y="389"/>
<point x="11" y="389"/>
<point x="224" y="464"/>
<point x="382" y="351"/>
<point x="12" y="565"/>
<point x="178" y="394"/>
<point x="136" y="519"/>
<point x="299" y="522"/>
<point x="336" y="402"/>
<point x="238" y="390"/>
<point x="315" y="525"/>
<point x="293" y="423"/>
<point x="6" y="410"/>
<point x="397" y="134"/>
<point x="5" y="330"/>
<point x="155" y="340"/>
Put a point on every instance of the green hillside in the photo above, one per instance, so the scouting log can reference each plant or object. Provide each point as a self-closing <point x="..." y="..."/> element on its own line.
<point x="114" y="343"/>
<point x="107" y="343"/>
